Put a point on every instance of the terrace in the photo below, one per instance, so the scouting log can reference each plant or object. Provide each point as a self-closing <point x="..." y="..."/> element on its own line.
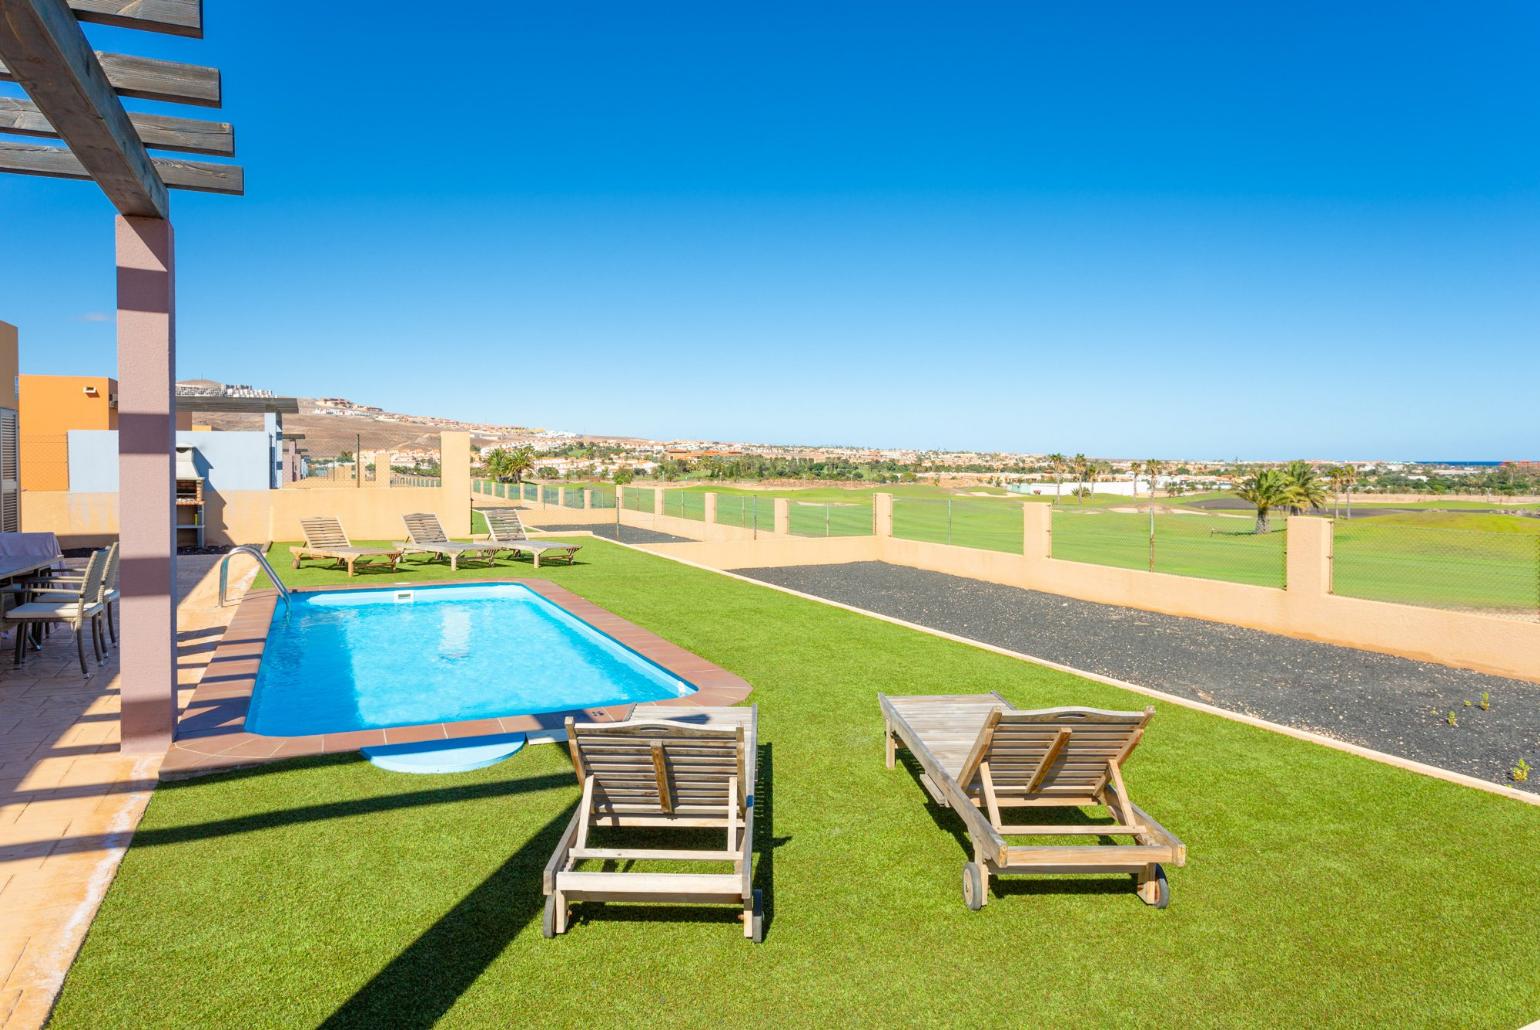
<point x="1352" y="857"/>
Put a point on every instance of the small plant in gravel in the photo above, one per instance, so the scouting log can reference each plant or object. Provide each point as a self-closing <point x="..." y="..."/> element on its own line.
<point x="1467" y="702"/>
<point x="1521" y="772"/>
<point x="1450" y="719"/>
<point x="1486" y="700"/>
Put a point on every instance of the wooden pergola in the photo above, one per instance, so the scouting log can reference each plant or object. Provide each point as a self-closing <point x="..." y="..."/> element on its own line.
<point x="74" y="95"/>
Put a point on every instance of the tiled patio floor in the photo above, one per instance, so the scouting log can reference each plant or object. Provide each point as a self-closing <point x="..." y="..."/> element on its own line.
<point x="69" y="802"/>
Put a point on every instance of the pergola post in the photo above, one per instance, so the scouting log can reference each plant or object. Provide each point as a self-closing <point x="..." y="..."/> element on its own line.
<point x="147" y="480"/>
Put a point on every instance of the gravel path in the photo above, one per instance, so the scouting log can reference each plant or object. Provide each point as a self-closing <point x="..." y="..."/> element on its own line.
<point x="628" y="534"/>
<point x="1374" y="700"/>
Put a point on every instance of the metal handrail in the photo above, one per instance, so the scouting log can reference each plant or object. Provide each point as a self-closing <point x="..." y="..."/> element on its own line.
<point x="224" y="572"/>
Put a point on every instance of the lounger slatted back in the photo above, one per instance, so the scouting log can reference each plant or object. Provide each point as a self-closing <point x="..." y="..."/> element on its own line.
<point x="505" y="525"/>
<point x="665" y="768"/>
<point x="323" y="532"/>
<point x="424" y="528"/>
<point x="984" y="759"/>
<point x="508" y="533"/>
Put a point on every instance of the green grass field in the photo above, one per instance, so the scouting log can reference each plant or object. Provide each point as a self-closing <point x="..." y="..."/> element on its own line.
<point x="1322" y="888"/>
<point x="1484" y="563"/>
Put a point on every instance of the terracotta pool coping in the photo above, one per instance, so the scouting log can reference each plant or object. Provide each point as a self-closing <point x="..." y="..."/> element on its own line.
<point x="211" y="735"/>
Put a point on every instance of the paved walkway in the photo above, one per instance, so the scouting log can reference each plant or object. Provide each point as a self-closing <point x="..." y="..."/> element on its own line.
<point x="1378" y="701"/>
<point x="61" y="776"/>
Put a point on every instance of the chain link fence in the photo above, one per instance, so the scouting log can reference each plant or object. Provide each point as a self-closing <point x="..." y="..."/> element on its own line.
<point x="685" y="504"/>
<point x="1204" y="546"/>
<point x="746" y="512"/>
<point x="962" y="522"/>
<point x="640" y="499"/>
<point x="1487" y="564"/>
<point x="807" y="518"/>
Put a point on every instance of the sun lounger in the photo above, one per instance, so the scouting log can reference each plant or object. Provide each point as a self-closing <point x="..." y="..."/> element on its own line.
<point x="983" y="758"/>
<point x="507" y="532"/>
<point x="427" y="537"/>
<point x="667" y="767"/>
<point x="324" y="538"/>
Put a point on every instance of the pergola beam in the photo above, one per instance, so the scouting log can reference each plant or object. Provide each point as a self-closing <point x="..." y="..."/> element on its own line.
<point x="174" y="17"/>
<point x="146" y="77"/>
<point x="43" y="47"/>
<point x="58" y="163"/>
<point x="185" y="135"/>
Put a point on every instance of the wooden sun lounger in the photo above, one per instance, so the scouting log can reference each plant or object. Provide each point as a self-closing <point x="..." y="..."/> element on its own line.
<point x="982" y="758"/>
<point x="666" y="767"/>
<point x="508" y="534"/>
<point x="324" y="538"/>
<point x="426" y="536"/>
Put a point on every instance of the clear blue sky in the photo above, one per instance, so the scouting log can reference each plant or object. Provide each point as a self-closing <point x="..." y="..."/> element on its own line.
<point x="1126" y="229"/>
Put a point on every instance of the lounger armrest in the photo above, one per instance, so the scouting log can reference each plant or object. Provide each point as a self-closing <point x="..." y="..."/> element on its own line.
<point x="563" y="849"/>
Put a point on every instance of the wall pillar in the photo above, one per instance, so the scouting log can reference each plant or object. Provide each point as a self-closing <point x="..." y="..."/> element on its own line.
<point x="882" y="515"/>
<point x="454" y="462"/>
<point x="588" y="498"/>
<point x="147" y="481"/>
<point x="1036" y="532"/>
<point x="381" y="462"/>
<point x="783" y="516"/>
<point x="1308" y="556"/>
<point x="657" y="499"/>
<point x="711" y="509"/>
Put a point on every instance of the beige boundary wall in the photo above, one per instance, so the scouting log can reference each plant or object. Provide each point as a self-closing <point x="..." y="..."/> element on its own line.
<point x="370" y="512"/>
<point x="1306" y="609"/>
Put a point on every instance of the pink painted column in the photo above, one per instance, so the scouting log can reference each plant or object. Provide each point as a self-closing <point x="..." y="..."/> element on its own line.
<point x="146" y="480"/>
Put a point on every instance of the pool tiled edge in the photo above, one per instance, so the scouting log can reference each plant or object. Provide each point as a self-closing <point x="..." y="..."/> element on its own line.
<point x="210" y="735"/>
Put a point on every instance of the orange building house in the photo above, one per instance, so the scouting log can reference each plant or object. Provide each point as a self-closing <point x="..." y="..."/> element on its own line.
<point x="50" y="407"/>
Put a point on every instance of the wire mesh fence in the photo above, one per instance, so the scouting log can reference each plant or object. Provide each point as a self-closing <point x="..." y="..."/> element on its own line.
<point x="601" y="497"/>
<point x="685" y="504"/>
<point x="1488" y="564"/>
<point x="809" y="518"/>
<point x="963" y="522"/>
<point x="1205" y="546"/>
<point x="746" y="512"/>
<point x="572" y="497"/>
<point x="640" y="499"/>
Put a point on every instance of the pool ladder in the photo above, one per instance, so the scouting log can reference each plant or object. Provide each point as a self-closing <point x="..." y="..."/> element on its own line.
<point x="224" y="573"/>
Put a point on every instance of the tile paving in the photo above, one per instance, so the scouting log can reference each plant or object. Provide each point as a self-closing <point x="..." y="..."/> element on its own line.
<point x="69" y="801"/>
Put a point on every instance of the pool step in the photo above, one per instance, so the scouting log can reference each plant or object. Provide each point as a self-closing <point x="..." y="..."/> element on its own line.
<point x="446" y="756"/>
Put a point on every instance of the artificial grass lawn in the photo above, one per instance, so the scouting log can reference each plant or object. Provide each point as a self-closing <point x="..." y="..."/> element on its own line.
<point x="1321" y="887"/>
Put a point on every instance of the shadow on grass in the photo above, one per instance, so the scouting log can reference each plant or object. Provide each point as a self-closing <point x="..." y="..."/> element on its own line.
<point x="303" y="814"/>
<point x="423" y="982"/>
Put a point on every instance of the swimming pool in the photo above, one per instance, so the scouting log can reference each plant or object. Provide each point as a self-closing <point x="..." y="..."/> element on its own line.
<point x="373" y="659"/>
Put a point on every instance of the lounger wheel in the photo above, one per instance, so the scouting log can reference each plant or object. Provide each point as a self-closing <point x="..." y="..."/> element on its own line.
<point x="973" y="887"/>
<point x="548" y="921"/>
<point x="758" y="917"/>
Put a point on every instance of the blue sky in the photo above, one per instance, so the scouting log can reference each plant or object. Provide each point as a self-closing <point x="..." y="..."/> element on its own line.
<point x="1178" y="230"/>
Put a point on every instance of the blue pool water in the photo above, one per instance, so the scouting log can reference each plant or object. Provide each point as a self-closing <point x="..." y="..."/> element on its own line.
<point x="371" y="659"/>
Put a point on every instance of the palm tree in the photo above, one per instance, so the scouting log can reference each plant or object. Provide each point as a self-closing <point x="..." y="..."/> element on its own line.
<point x="521" y="463"/>
<point x="496" y="462"/>
<point x="1154" y="468"/>
<point x="1082" y="469"/>
<point x="1337" y="477"/>
<point x="1349" y="480"/>
<point x="1267" y="489"/>
<point x="1304" y="487"/>
<point x="1059" y="464"/>
<point x="1134" y="468"/>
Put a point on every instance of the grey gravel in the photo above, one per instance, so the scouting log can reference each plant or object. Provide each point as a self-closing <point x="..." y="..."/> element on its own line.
<point x="1390" y="704"/>
<point x="628" y="534"/>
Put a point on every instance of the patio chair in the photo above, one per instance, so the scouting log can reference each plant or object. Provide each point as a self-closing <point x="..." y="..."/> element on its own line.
<point x="427" y="537"/>
<point x="324" y="538"/>
<point x="78" y="609"/>
<point x="665" y="768"/>
<point x="62" y="586"/>
<point x="508" y="533"/>
<point x="981" y="758"/>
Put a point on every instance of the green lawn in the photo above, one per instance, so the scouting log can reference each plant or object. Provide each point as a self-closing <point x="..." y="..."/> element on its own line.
<point x="1321" y="888"/>
<point x="1484" y="563"/>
